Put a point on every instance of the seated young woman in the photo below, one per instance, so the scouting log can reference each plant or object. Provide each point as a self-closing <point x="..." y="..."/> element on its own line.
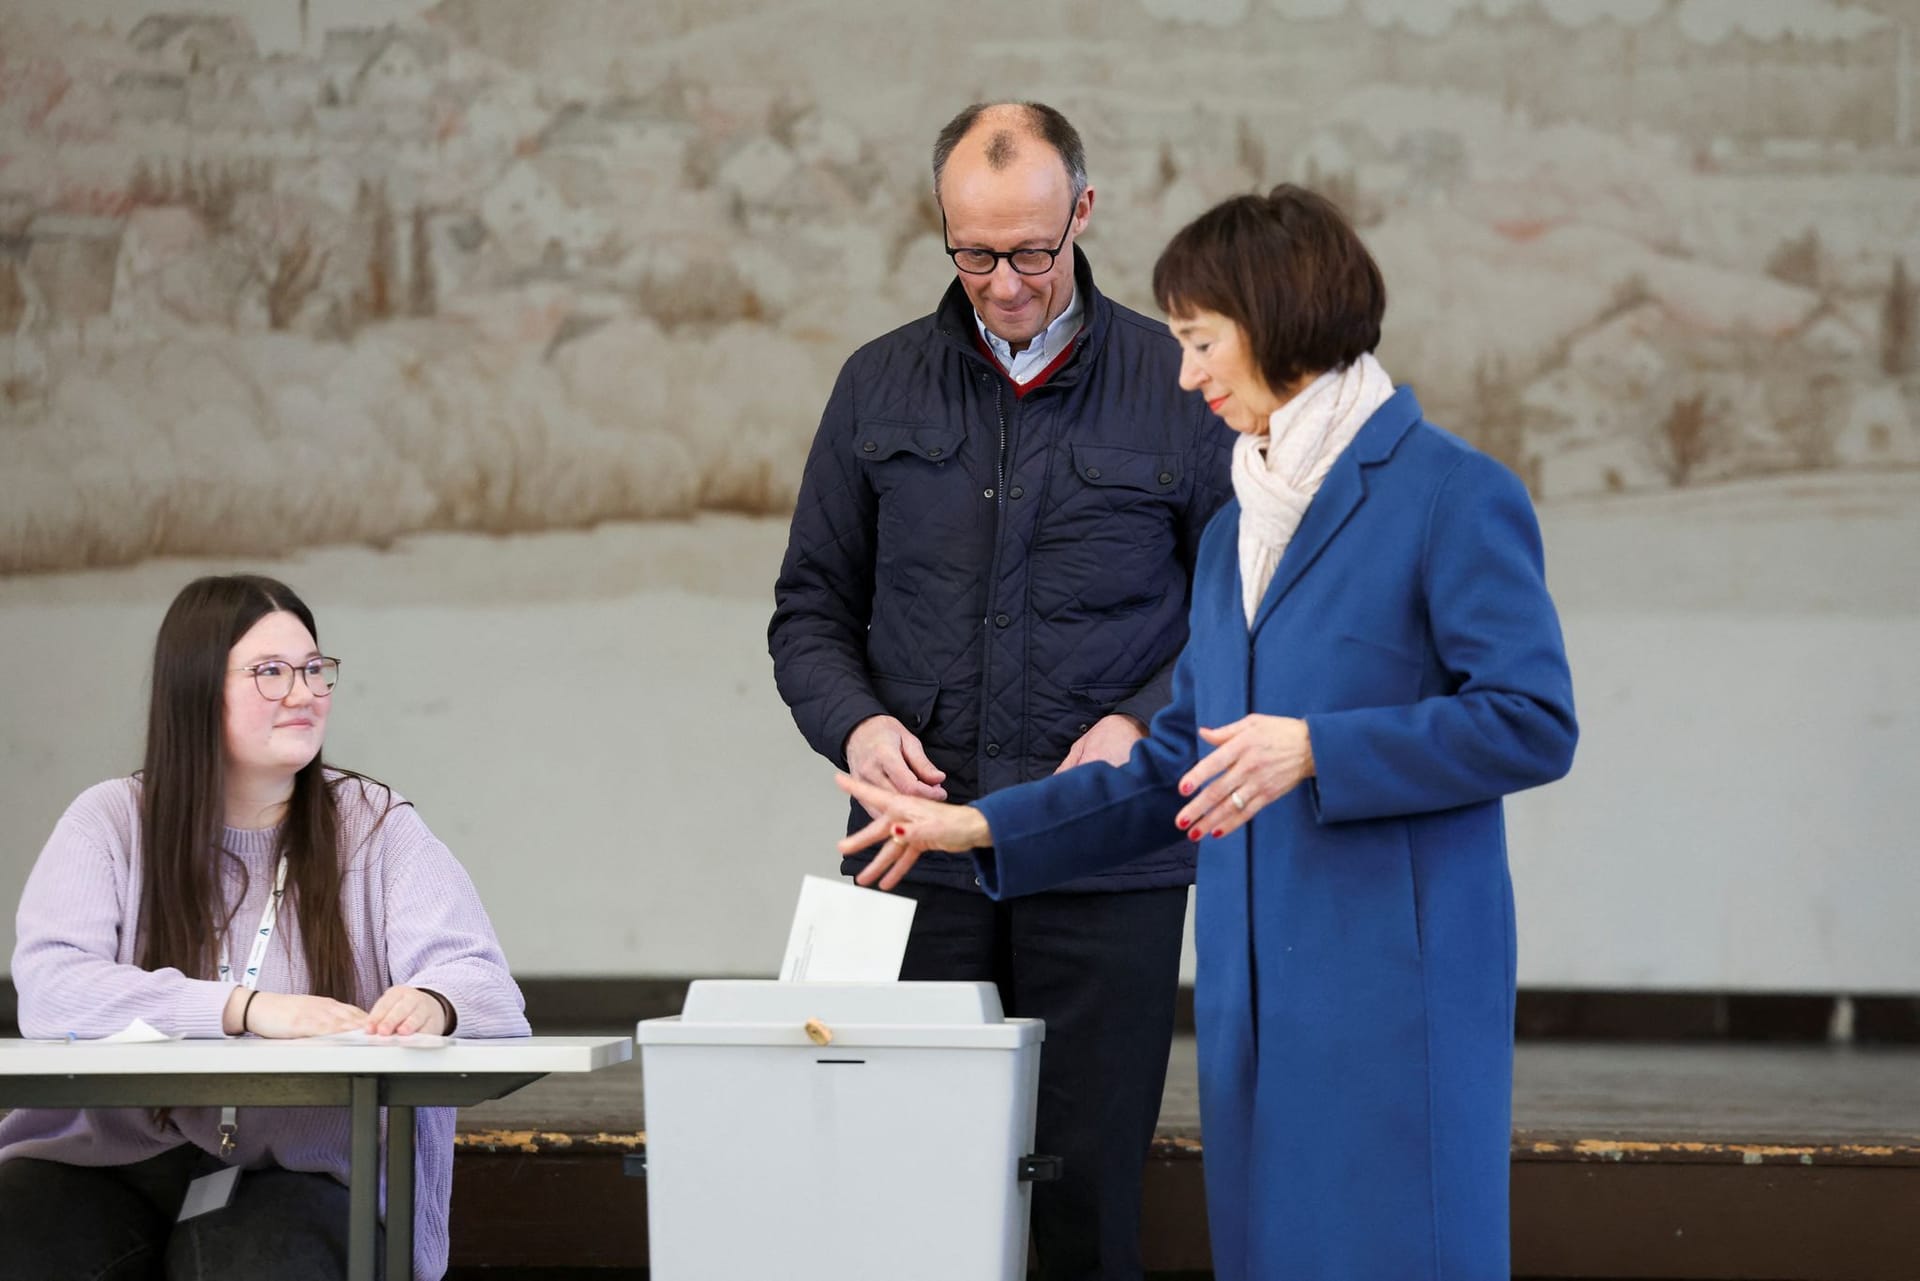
<point x="235" y="886"/>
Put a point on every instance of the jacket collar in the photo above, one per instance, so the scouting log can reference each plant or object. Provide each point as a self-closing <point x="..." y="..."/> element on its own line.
<point x="1341" y="494"/>
<point x="955" y="319"/>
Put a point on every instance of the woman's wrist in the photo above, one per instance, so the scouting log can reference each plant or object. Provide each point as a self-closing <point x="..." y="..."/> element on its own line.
<point x="979" y="831"/>
<point x="448" y="1020"/>
<point x="230" y="1013"/>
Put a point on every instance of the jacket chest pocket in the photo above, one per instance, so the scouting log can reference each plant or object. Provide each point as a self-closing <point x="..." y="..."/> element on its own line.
<point x="915" y="471"/>
<point x="1109" y="534"/>
<point x="1110" y="484"/>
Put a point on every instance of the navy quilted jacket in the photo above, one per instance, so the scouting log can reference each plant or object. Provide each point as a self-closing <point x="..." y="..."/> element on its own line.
<point x="998" y="573"/>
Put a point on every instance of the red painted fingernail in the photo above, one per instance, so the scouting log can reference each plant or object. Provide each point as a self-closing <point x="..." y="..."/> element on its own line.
<point x="899" y="831"/>
<point x="1195" y="834"/>
<point x="1219" y="832"/>
<point x="1185" y="823"/>
<point x="1186" y="789"/>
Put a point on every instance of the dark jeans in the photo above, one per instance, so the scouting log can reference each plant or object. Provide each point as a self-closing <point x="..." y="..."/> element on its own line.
<point x="61" y="1222"/>
<point x="1103" y="971"/>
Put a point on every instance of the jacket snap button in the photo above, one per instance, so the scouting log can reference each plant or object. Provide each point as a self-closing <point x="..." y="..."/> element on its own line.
<point x="993" y="749"/>
<point x="935" y="452"/>
<point x="1015" y="492"/>
<point x="869" y="447"/>
<point x="1084" y="727"/>
<point x="1093" y="473"/>
<point x="1001" y="620"/>
<point x="1166" y="478"/>
<point x="986" y="493"/>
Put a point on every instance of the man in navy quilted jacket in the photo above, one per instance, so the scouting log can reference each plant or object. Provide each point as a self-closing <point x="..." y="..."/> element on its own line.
<point x="986" y="582"/>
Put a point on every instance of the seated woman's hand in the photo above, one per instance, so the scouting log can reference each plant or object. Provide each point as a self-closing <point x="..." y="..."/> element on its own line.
<point x="284" y="1015"/>
<point x="403" y="1011"/>
<point x="905" y="827"/>
<point x="1255" y="761"/>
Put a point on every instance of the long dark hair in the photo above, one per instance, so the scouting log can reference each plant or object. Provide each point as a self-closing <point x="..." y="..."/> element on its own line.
<point x="183" y="789"/>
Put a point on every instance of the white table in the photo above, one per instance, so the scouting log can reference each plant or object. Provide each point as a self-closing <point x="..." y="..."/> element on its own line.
<point x="251" y="1072"/>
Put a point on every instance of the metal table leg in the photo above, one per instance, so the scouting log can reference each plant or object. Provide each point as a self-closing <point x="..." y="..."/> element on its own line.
<point x="363" y="1180"/>
<point x="399" y="1193"/>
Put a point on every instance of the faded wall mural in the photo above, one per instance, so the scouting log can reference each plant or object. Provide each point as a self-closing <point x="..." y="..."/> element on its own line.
<point x="411" y="277"/>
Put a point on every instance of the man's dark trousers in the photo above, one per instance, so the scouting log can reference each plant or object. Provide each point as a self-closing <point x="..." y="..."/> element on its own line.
<point x="1103" y="970"/>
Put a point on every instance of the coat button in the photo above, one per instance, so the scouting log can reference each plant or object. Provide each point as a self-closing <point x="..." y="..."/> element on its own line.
<point x="993" y="749"/>
<point x="1015" y="492"/>
<point x="935" y="452"/>
<point x="1001" y="620"/>
<point x="1084" y="727"/>
<point x="986" y="493"/>
<point x="869" y="447"/>
<point x="978" y="884"/>
<point x="1093" y="473"/>
<point x="1166" y="478"/>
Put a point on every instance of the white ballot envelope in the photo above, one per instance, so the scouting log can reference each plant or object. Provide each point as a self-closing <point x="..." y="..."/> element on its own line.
<point x="844" y="934"/>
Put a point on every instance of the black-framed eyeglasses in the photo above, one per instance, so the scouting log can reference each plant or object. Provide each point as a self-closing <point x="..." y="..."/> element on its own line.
<point x="274" y="678"/>
<point x="1028" y="262"/>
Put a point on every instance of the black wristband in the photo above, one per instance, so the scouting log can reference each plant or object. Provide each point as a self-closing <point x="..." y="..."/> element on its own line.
<point x="247" y="1009"/>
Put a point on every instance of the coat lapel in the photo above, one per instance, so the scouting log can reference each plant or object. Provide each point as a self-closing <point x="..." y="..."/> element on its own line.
<point x="1341" y="494"/>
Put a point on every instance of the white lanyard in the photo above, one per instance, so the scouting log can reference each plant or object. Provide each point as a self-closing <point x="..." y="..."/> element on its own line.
<point x="269" y="916"/>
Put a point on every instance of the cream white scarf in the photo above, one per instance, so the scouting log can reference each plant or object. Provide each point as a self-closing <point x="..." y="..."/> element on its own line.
<point x="1276" y="474"/>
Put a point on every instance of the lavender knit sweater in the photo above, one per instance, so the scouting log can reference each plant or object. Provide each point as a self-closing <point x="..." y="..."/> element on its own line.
<point x="412" y="916"/>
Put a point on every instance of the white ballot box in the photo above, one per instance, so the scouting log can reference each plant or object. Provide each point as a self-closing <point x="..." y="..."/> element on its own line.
<point x="843" y="1131"/>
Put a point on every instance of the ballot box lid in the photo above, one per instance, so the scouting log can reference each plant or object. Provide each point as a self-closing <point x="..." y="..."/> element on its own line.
<point x="766" y="1011"/>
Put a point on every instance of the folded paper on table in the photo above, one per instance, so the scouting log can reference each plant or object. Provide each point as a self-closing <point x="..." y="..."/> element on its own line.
<point x="411" y="1041"/>
<point x="136" y="1033"/>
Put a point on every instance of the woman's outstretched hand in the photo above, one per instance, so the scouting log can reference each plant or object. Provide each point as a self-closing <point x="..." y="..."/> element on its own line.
<point x="905" y="827"/>
<point x="1255" y="761"/>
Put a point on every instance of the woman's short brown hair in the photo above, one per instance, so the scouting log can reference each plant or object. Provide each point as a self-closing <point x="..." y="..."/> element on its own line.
<point x="1289" y="270"/>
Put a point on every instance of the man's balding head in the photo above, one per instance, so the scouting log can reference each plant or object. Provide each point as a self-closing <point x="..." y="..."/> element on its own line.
<point x="1001" y="131"/>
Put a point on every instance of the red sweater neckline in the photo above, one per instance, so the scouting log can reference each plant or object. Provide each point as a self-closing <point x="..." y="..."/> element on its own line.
<point x="1052" y="367"/>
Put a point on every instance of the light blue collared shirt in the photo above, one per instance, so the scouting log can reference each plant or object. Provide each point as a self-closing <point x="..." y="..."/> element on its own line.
<point x="1040" y="353"/>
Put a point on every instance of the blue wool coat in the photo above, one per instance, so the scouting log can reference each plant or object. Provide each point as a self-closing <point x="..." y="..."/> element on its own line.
<point x="1355" y="986"/>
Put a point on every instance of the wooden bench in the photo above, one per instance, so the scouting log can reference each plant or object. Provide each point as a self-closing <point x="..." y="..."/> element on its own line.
<point x="1668" y="1161"/>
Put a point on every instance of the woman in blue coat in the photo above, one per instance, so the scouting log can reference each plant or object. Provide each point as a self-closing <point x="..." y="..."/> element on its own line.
<point x="1374" y="662"/>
